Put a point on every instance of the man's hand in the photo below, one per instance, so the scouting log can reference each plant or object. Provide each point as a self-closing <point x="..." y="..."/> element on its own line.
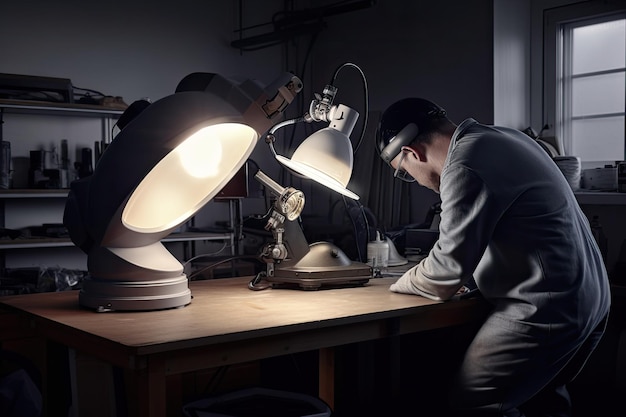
<point x="403" y="285"/>
<point x="406" y="285"/>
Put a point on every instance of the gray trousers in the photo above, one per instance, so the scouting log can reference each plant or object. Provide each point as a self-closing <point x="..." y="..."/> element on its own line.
<point x="514" y="369"/>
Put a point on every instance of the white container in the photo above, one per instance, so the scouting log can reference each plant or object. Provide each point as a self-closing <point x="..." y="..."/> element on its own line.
<point x="378" y="252"/>
<point x="571" y="169"/>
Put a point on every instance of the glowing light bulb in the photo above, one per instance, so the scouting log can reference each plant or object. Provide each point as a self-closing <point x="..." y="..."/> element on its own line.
<point x="200" y="155"/>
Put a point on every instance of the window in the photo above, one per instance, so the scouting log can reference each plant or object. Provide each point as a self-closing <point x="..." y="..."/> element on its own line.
<point x="586" y="98"/>
<point x="592" y="87"/>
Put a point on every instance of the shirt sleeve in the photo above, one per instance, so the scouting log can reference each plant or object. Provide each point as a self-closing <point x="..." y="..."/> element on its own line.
<point x="468" y="217"/>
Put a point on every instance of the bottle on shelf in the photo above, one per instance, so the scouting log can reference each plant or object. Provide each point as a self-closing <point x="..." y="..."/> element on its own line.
<point x="85" y="167"/>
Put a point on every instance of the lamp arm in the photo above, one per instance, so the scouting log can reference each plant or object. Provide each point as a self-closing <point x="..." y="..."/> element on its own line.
<point x="269" y="183"/>
<point x="270" y="138"/>
<point x="289" y="240"/>
<point x="288" y="235"/>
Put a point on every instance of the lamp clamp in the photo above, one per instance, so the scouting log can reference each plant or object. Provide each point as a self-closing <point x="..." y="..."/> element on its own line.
<point x="322" y="105"/>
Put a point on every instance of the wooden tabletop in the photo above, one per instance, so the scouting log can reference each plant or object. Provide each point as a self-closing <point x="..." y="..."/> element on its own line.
<point x="225" y="311"/>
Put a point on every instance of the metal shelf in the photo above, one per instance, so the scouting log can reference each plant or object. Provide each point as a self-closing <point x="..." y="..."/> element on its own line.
<point x="34" y="243"/>
<point x="197" y="236"/>
<point x="66" y="109"/>
<point x="47" y="242"/>
<point x="33" y="193"/>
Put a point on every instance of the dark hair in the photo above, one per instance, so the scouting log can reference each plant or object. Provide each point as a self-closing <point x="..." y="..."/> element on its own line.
<point x="416" y="118"/>
<point x="436" y="125"/>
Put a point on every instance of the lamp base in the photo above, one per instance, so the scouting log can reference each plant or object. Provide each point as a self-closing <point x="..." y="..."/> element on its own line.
<point x="325" y="265"/>
<point x="105" y="295"/>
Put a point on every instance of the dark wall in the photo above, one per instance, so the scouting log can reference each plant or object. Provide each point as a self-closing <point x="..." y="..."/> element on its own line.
<point x="442" y="51"/>
<point x="439" y="50"/>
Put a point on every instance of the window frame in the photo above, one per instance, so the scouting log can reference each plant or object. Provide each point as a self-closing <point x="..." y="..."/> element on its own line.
<point x="554" y="20"/>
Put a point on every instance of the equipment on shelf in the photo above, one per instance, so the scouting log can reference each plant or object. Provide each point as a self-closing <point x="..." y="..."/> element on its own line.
<point x="29" y="87"/>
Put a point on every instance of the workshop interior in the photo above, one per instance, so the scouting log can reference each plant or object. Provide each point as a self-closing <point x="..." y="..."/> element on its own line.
<point x="146" y="148"/>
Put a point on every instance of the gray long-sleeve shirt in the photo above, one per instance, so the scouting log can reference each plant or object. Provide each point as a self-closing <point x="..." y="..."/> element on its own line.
<point x="510" y="219"/>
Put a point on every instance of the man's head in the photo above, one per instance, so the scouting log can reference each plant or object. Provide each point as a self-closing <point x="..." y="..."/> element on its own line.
<point x="406" y="131"/>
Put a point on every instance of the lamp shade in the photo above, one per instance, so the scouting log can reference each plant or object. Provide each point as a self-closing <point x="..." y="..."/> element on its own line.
<point x="326" y="156"/>
<point x="146" y="186"/>
<point x="186" y="178"/>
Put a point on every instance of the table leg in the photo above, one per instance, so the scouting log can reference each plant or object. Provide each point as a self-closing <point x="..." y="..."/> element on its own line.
<point x="71" y="353"/>
<point x="92" y="386"/>
<point x="150" y="384"/>
<point x="327" y="376"/>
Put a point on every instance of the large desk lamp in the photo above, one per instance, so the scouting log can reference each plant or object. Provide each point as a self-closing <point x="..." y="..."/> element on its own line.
<point x="326" y="156"/>
<point x="161" y="168"/>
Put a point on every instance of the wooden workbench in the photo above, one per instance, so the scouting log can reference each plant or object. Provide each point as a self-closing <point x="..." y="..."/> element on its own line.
<point x="226" y="323"/>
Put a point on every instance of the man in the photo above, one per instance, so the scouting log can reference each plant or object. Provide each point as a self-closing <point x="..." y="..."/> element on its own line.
<point x="509" y="221"/>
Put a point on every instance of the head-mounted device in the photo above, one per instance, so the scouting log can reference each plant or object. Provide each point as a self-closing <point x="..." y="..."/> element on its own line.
<point x="399" y="126"/>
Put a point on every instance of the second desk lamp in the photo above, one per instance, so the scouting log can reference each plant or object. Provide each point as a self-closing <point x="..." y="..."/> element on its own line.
<point x="326" y="156"/>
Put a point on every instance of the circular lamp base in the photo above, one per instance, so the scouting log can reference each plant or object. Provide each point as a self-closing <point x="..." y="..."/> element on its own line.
<point x="105" y="295"/>
<point x="323" y="266"/>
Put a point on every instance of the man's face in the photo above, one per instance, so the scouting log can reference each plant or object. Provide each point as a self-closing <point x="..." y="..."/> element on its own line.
<point x="409" y="162"/>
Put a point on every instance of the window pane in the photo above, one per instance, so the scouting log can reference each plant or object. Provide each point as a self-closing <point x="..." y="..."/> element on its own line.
<point x="592" y="43"/>
<point x="598" y="94"/>
<point x="598" y="139"/>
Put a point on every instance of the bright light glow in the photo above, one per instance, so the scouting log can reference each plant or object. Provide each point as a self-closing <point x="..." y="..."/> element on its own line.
<point x="170" y="193"/>
<point x="199" y="155"/>
<point x="316" y="175"/>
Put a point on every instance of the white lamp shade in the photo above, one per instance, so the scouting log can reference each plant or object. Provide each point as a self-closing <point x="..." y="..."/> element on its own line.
<point x="327" y="156"/>
<point x="145" y="192"/>
<point x="188" y="177"/>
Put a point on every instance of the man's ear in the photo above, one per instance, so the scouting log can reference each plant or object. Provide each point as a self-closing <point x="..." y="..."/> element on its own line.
<point x="417" y="150"/>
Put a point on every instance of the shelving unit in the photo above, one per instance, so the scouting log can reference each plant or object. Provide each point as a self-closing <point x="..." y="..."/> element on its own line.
<point x="49" y="202"/>
<point x="10" y="197"/>
<point x="107" y="115"/>
<point x="43" y="107"/>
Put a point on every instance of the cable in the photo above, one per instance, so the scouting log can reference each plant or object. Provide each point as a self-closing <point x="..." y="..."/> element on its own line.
<point x="98" y="93"/>
<point x="256" y="164"/>
<point x="87" y="93"/>
<point x="366" y="95"/>
<point x="255" y="283"/>
<point x="367" y="223"/>
<point x="224" y="246"/>
<point x="355" y="226"/>
<point x="232" y="258"/>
